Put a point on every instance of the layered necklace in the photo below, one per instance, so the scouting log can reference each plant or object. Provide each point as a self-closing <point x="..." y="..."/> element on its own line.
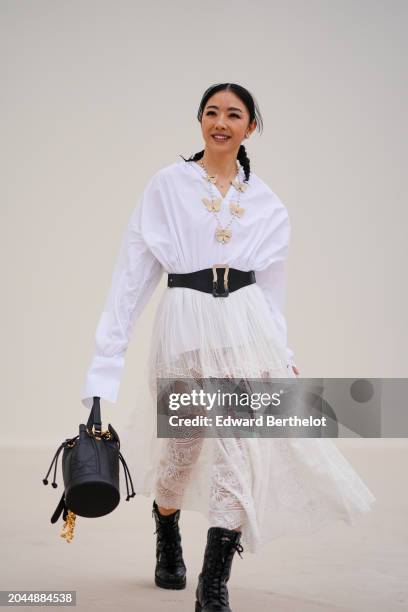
<point x="213" y="204"/>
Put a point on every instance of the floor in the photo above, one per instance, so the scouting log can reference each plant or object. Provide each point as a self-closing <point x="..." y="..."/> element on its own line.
<point x="110" y="561"/>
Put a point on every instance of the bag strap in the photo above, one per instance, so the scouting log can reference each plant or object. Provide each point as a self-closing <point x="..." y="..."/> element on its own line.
<point x="95" y="416"/>
<point x="59" y="509"/>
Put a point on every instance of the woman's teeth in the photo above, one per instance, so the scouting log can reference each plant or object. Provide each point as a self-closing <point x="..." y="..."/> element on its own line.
<point x="220" y="137"/>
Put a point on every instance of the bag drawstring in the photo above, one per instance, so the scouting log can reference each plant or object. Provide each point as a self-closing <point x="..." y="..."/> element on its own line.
<point x="66" y="442"/>
<point x="127" y="473"/>
<point x="55" y="458"/>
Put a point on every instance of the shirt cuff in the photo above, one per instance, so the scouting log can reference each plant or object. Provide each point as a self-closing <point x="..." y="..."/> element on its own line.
<point x="103" y="380"/>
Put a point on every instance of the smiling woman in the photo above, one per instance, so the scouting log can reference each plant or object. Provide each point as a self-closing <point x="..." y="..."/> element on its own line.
<point x="228" y="114"/>
<point x="222" y="236"/>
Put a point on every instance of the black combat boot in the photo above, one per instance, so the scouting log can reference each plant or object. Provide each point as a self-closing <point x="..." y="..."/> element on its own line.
<point x="170" y="570"/>
<point x="212" y="592"/>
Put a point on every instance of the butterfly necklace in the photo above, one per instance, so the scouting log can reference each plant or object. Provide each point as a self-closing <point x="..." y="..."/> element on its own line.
<point x="223" y="234"/>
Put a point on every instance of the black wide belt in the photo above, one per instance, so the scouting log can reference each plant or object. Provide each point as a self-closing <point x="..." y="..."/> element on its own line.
<point x="219" y="280"/>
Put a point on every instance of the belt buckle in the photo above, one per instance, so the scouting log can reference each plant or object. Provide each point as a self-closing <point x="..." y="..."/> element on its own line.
<point x="215" y="280"/>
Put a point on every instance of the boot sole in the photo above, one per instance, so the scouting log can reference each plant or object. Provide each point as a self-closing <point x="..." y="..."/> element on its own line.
<point x="170" y="585"/>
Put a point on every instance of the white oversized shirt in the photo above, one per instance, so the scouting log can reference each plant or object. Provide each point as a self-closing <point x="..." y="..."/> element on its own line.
<point x="171" y="230"/>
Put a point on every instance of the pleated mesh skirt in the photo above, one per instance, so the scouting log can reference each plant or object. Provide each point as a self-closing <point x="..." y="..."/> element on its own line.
<point x="267" y="487"/>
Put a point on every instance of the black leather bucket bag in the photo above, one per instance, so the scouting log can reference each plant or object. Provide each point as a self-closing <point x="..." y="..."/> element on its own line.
<point x="90" y="468"/>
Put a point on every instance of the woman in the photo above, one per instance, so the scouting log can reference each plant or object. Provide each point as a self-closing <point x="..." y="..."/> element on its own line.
<point x="227" y="321"/>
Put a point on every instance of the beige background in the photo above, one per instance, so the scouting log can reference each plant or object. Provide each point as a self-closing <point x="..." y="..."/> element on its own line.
<point x="99" y="95"/>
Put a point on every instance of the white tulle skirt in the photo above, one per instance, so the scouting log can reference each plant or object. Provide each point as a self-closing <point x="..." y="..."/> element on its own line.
<point x="267" y="487"/>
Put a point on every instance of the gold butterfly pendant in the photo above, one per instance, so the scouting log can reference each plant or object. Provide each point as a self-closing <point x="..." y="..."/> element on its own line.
<point x="239" y="186"/>
<point x="223" y="235"/>
<point x="236" y="210"/>
<point x="212" y="205"/>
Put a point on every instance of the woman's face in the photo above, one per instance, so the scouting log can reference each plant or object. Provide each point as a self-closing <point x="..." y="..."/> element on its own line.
<point x="224" y="113"/>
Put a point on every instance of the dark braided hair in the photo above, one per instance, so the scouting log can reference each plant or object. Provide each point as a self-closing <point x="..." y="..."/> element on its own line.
<point x="254" y="113"/>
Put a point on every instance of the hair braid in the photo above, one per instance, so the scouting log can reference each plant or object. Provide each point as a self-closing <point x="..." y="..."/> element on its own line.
<point x="195" y="157"/>
<point x="243" y="159"/>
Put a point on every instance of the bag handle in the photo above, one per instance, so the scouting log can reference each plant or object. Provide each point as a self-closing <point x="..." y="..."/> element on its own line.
<point x="95" y="416"/>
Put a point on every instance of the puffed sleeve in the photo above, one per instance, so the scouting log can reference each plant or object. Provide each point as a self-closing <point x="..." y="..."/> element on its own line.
<point x="272" y="277"/>
<point x="136" y="274"/>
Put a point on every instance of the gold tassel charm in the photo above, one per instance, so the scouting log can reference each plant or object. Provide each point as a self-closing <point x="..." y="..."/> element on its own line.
<point x="69" y="527"/>
<point x="236" y="210"/>
<point x="212" y="205"/>
<point x="223" y="235"/>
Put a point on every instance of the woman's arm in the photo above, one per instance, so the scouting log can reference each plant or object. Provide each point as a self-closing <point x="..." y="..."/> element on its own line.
<point x="136" y="274"/>
<point x="272" y="281"/>
<point x="270" y="275"/>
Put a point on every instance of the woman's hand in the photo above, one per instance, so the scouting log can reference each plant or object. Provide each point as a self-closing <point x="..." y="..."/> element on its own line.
<point x="296" y="371"/>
